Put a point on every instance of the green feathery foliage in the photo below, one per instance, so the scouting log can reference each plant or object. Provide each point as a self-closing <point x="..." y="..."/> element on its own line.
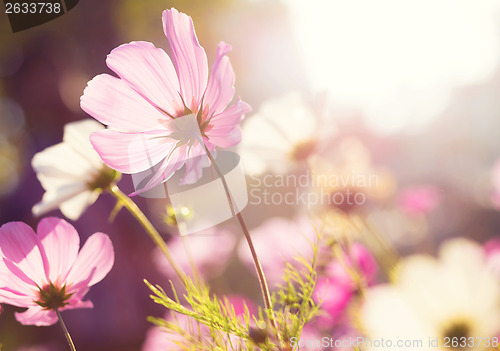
<point x="215" y="325"/>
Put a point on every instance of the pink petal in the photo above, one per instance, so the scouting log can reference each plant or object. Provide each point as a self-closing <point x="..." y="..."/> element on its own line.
<point x="132" y="152"/>
<point x="195" y="162"/>
<point x="112" y="102"/>
<point x="13" y="290"/>
<point x="74" y="303"/>
<point x="61" y="243"/>
<point x="36" y="315"/>
<point x="231" y="138"/>
<point x="150" y="72"/>
<point x="220" y="88"/>
<point x="189" y="57"/>
<point x="194" y="171"/>
<point x="95" y="259"/>
<point x="334" y="299"/>
<point x="20" y="246"/>
<point x="174" y="161"/>
<point x="225" y="130"/>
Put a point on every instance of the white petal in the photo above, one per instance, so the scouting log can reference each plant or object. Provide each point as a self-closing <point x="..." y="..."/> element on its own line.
<point x="76" y="134"/>
<point x="74" y="207"/>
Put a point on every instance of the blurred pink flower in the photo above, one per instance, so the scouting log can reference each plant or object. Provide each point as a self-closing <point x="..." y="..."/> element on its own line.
<point x="336" y="288"/>
<point x="141" y="106"/>
<point x="209" y="253"/>
<point x="45" y="271"/>
<point x="277" y="241"/>
<point x="359" y="259"/>
<point x="334" y="299"/>
<point x="420" y="199"/>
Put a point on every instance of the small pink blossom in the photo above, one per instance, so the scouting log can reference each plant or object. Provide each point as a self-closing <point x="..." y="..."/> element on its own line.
<point x="420" y="199"/>
<point x="152" y="92"/>
<point x="45" y="271"/>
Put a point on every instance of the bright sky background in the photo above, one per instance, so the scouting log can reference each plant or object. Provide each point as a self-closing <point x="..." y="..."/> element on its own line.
<point x="396" y="60"/>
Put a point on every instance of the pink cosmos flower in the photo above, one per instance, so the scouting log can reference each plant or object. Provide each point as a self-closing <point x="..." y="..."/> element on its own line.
<point x="142" y="105"/>
<point x="45" y="271"/>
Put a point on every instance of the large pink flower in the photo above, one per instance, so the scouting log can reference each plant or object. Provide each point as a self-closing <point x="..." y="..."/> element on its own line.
<point x="45" y="271"/>
<point x="141" y="106"/>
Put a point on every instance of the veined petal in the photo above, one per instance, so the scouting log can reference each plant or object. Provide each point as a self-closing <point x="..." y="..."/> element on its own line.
<point x="150" y="72"/>
<point x="132" y="152"/>
<point x="14" y="298"/>
<point x="60" y="242"/>
<point x="74" y="303"/>
<point x="14" y="290"/>
<point x="195" y="163"/>
<point x="189" y="57"/>
<point x="113" y="102"/>
<point x="20" y="246"/>
<point x="228" y="139"/>
<point x="36" y="315"/>
<point x="220" y="88"/>
<point x="174" y="161"/>
<point x="95" y="259"/>
<point x="224" y="127"/>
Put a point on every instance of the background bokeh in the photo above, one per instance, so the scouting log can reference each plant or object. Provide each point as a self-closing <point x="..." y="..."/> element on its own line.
<point x="416" y="84"/>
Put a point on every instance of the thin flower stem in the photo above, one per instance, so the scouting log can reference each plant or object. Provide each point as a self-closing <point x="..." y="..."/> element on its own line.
<point x="65" y="330"/>
<point x="150" y="229"/>
<point x="258" y="267"/>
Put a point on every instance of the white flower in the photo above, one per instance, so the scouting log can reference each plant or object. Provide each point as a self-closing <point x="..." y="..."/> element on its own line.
<point x="453" y="297"/>
<point x="71" y="172"/>
<point x="281" y="135"/>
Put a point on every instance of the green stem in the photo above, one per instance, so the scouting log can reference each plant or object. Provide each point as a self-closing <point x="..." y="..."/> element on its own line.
<point x="150" y="229"/>
<point x="258" y="267"/>
<point x="65" y="330"/>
